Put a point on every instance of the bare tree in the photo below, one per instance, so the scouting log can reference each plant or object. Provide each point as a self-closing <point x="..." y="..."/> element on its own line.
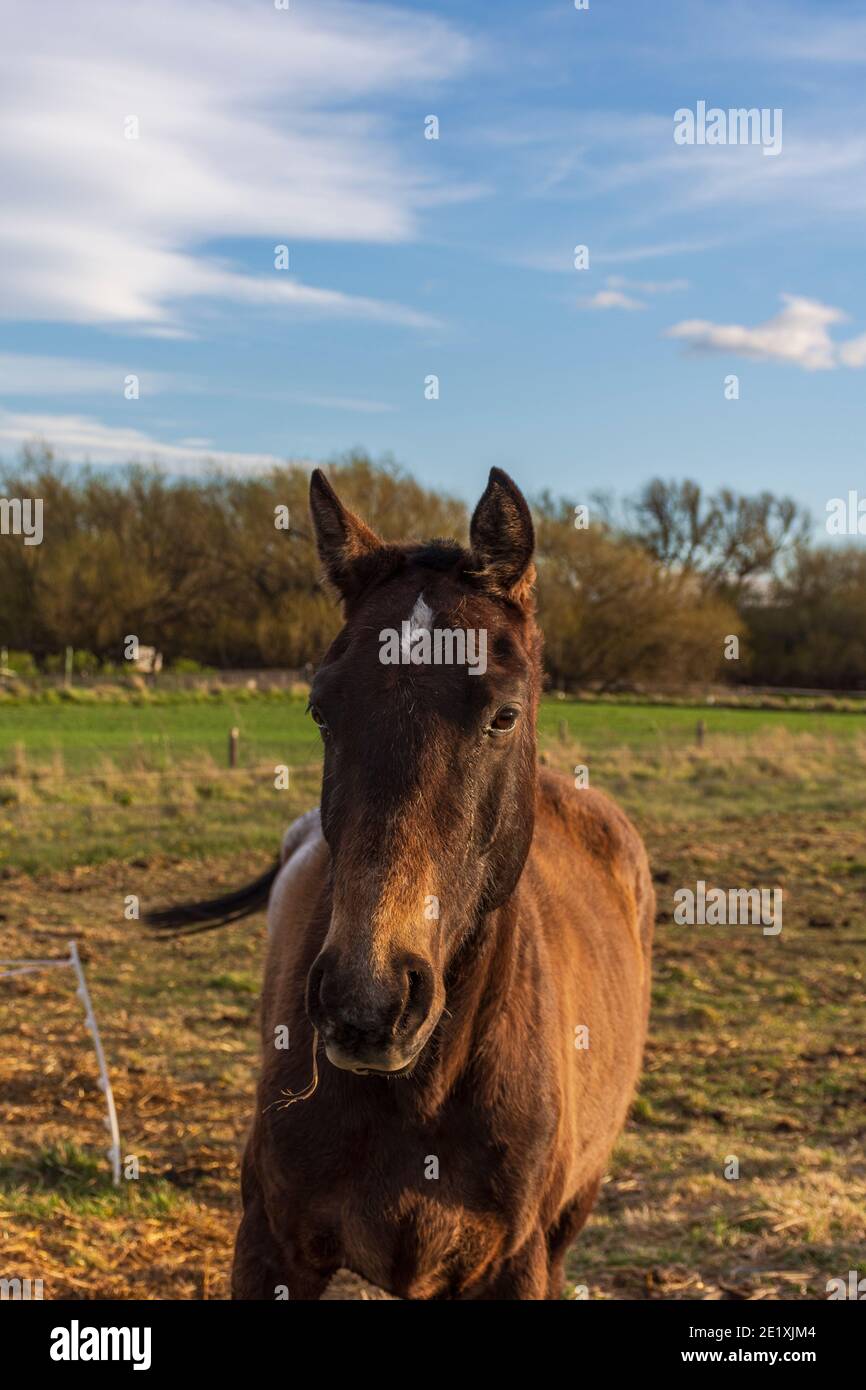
<point x="727" y="537"/>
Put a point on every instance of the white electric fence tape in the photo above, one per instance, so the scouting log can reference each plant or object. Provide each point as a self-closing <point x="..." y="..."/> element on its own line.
<point x="73" y="962"/>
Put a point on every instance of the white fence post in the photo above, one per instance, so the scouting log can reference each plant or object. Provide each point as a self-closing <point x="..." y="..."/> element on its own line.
<point x="28" y="967"/>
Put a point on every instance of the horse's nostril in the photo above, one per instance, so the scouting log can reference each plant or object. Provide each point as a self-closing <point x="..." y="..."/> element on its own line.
<point x="315" y="986"/>
<point x="415" y="987"/>
<point x="418" y="996"/>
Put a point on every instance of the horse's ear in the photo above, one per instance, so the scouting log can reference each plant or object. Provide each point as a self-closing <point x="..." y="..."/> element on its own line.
<point x="343" y="541"/>
<point x="502" y="539"/>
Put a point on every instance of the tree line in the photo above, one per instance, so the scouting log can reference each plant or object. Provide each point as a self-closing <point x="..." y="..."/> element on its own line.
<point x="223" y="571"/>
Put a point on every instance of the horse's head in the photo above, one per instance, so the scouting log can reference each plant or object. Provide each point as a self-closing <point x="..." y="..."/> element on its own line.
<point x="426" y="703"/>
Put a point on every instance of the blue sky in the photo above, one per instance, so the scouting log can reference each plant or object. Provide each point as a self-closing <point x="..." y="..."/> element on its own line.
<point x="410" y="257"/>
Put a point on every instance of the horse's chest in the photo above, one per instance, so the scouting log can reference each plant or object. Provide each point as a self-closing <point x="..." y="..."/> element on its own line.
<point x="421" y="1211"/>
<point x="424" y="1232"/>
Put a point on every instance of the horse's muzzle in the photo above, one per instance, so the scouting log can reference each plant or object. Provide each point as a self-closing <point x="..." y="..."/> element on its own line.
<point x="371" y="1023"/>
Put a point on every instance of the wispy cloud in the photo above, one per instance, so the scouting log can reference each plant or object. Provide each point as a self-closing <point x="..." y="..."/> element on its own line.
<point x="80" y="439"/>
<point x="562" y="261"/>
<point x="798" y="334"/>
<point x="620" y="292"/>
<point x="630" y="254"/>
<point x="30" y="375"/>
<point x="23" y="374"/>
<point x="253" y="122"/>
<point x="785" y="33"/>
<point x="647" y="286"/>
<point x="607" y="161"/>
<point x="350" y="403"/>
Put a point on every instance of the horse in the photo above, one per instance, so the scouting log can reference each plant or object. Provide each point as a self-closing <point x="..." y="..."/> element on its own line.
<point x="459" y="946"/>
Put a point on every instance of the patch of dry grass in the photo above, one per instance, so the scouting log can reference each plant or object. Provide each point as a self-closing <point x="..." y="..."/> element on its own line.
<point x="756" y="1048"/>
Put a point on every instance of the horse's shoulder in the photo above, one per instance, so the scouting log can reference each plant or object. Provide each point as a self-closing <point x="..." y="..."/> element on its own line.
<point x="590" y="818"/>
<point x="587" y="827"/>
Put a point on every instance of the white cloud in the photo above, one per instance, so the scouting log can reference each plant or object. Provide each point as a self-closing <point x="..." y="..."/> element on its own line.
<point x="853" y="353"/>
<point x="612" y="299"/>
<point x="253" y="123"/>
<point x="798" y="334"/>
<point x="616" y="295"/>
<point x="79" y="439"/>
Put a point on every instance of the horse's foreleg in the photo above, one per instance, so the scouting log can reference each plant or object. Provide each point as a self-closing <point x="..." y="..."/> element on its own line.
<point x="263" y="1268"/>
<point x="565" y="1231"/>
<point x="524" y="1275"/>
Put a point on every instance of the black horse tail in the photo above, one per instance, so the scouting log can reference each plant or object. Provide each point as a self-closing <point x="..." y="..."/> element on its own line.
<point x="187" y="919"/>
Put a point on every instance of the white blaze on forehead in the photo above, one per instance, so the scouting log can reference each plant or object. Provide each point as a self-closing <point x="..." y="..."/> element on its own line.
<point x="419" y="620"/>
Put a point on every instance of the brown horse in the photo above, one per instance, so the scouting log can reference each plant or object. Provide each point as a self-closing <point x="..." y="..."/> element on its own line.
<point x="464" y="937"/>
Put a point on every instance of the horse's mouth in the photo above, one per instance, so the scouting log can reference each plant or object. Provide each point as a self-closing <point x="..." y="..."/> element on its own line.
<point x="389" y="1061"/>
<point x="386" y="1071"/>
<point x="340" y="1059"/>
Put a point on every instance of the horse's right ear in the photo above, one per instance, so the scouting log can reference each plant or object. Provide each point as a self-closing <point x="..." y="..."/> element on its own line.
<point x="343" y="541"/>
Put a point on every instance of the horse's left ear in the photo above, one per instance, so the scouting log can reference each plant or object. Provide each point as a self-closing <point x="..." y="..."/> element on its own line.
<point x="502" y="538"/>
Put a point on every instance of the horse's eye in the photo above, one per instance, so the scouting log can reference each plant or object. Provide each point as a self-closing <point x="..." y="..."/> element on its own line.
<point x="504" y="720"/>
<point x="317" y="718"/>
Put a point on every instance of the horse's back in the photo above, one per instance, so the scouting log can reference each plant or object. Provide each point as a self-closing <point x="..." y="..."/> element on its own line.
<point x="295" y="904"/>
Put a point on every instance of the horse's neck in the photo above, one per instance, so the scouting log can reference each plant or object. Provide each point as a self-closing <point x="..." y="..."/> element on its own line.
<point x="479" y="979"/>
<point x="478" y="983"/>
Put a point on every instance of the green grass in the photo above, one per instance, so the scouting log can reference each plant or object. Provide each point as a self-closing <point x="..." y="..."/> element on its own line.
<point x="651" y="725"/>
<point x="158" y="733"/>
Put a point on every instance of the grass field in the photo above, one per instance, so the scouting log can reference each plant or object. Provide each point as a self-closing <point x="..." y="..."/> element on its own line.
<point x="275" y="726"/>
<point x="756" y="1043"/>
